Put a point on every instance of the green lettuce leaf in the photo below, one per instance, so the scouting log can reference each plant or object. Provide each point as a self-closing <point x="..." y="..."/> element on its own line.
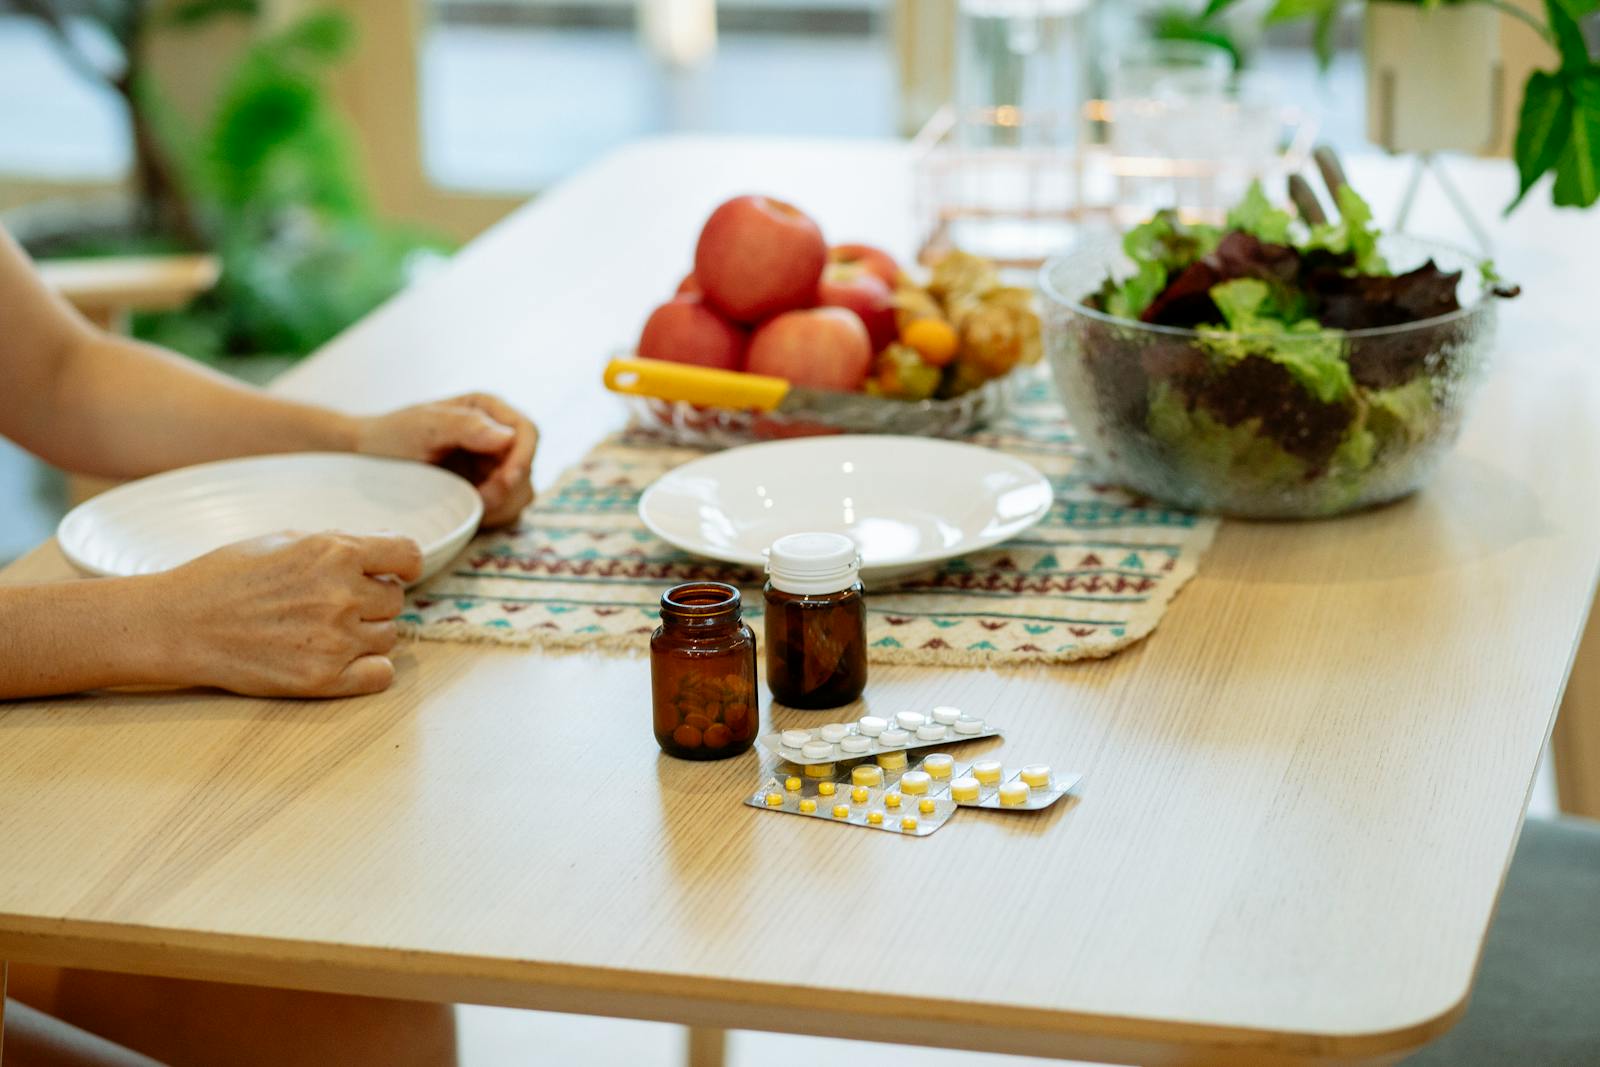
<point x="1355" y="234"/>
<point x="1135" y="293"/>
<point x="1168" y="240"/>
<point x="1255" y="215"/>
<point x="1212" y="449"/>
<point x="1256" y="327"/>
<point x="1403" y="416"/>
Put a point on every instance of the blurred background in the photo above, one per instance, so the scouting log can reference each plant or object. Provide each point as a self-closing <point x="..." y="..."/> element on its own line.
<point x="248" y="177"/>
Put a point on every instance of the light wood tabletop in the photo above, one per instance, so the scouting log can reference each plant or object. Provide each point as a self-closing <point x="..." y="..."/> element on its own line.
<point x="1301" y="792"/>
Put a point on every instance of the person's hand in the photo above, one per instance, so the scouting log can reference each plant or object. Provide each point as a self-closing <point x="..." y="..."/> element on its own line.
<point x="480" y="437"/>
<point x="289" y="615"/>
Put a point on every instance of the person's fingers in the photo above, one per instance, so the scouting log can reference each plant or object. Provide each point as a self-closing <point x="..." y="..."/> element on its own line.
<point x="365" y="674"/>
<point x="466" y="428"/>
<point x="390" y="554"/>
<point x="515" y="464"/>
<point x="378" y="637"/>
<point x="379" y="598"/>
<point x="493" y="493"/>
<point x="511" y="506"/>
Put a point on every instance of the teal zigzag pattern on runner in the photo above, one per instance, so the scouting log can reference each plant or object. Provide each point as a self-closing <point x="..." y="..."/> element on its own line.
<point x="581" y="570"/>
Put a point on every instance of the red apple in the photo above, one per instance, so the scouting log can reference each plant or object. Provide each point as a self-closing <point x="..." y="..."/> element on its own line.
<point x="853" y="286"/>
<point x="876" y="260"/>
<point x="825" y="348"/>
<point x="684" y="330"/>
<point x="757" y="257"/>
<point x="690" y="286"/>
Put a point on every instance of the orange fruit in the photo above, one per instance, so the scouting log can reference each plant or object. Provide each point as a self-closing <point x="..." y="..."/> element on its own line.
<point x="934" y="339"/>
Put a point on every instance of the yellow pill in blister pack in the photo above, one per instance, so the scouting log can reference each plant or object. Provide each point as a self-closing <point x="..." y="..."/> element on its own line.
<point x="891" y="800"/>
<point x="965" y="789"/>
<point x="875" y="818"/>
<point x="908" y="823"/>
<point x="808" y="805"/>
<point x="939" y="765"/>
<point x="1036" y="775"/>
<point x="791" y="783"/>
<point x="819" y="770"/>
<point x="859" y="794"/>
<point x="891" y="761"/>
<point x="867" y="774"/>
<point x="926" y="806"/>
<point x="987" y="771"/>
<point x="826" y="789"/>
<point x="915" y="782"/>
<point x="841" y="811"/>
<point x="1014" y="794"/>
<point x="774" y="800"/>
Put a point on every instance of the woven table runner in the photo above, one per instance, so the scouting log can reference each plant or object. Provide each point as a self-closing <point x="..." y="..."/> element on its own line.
<point x="581" y="571"/>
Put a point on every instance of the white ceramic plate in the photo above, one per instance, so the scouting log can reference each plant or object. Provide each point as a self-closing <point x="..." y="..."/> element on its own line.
<point x="166" y="520"/>
<point x="909" y="502"/>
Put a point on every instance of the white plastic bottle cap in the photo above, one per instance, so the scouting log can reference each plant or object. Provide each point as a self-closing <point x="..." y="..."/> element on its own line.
<point x="834" y="732"/>
<point x="939" y="765"/>
<point x="813" y="564"/>
<point x="1014" y="794"/>
<point x="965" y="789"/>
<point x="893" y="738"/>
<point x="945" y="715"/>
<point x="910" y="720"/>
<point x="817" y="750"/>
<point x="930" y="731"/>
<point x="796" y="738"/>
<point x="969" y="726"/>
<point x="1036" y="775"/>
<point x="855" y="744"/>
<point x="872" y="725"/>
<point x="914" y="782"/>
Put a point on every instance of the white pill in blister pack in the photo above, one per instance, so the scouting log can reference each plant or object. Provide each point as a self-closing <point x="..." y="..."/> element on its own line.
<point x="872" y="734"/>
<point x="939" y="765"/>
<point x="945" y="715"/>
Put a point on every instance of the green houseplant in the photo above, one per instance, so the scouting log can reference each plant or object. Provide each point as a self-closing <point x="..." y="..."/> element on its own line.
<point x="1558" y="127"/>
<point x="267" y="182"/>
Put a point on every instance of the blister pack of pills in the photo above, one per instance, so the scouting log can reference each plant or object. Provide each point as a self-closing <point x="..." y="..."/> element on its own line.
<point x="889" y="793"/>
<point x="871" y="736"/>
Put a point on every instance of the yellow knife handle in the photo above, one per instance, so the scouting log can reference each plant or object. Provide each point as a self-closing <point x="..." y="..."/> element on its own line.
<point x="695" y="385"/>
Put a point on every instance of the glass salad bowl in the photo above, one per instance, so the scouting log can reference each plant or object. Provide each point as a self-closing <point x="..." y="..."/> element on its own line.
<point x="1281" y="425"/>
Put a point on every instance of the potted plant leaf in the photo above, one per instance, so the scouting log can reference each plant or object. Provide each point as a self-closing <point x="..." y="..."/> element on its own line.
<point x="1432" y="66"/>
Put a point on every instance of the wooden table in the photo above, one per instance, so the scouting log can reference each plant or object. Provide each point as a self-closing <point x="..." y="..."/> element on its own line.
<point x="1301" y="792"/>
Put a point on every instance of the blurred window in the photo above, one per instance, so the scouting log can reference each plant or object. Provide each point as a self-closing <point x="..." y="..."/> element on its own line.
<point x="517" y="93"/>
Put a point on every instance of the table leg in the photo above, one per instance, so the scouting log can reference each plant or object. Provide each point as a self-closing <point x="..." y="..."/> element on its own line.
<point x="707" y="1047"/>
<point x="1575" y="744"/>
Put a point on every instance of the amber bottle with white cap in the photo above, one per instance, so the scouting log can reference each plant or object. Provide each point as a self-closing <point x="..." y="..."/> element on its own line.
<point x="816" y="621"/>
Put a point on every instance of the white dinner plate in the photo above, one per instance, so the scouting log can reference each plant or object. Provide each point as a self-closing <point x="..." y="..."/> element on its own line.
<point x="166" y="520"/>
<point x="909" y="502"/>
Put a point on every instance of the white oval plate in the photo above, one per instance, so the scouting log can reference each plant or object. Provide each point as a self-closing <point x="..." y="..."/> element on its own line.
<point x="909" y="502"/>
<point x="166" y="520"/>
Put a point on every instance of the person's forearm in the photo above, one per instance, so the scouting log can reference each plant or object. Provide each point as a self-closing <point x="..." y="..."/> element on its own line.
<point x="66" y="637"/>
<point x="123" y="409"/>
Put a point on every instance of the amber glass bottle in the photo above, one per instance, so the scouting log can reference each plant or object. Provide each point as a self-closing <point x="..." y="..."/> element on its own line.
<point x="703" y="673"/>
<point x="816" y="627"/>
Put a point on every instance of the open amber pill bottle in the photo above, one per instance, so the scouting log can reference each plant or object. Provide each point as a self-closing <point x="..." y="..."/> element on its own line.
<point x="703" y="673"/>
<point x="816" y="621"/>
